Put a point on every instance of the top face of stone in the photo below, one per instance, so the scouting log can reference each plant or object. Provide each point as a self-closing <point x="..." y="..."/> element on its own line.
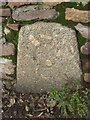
<point x="47" y="53"/>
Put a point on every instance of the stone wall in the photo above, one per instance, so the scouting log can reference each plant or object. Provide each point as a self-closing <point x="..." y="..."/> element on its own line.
<point x="16" y="15"/>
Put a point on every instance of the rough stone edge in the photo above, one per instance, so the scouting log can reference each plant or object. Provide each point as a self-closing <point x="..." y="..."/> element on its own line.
<point x="18" y="88"/>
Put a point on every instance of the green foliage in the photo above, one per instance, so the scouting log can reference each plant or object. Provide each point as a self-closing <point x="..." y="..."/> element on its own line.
<point x="27" y="107"/>
<point x="78" y="104"/>
<point x="70" y="100"/>
<point x="12" y="37"/>
<point x="81" y="42"/>
<point x="4" y="25"/>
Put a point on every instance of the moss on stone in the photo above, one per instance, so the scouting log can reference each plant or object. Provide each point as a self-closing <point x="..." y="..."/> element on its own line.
<point x="12" y="37"/>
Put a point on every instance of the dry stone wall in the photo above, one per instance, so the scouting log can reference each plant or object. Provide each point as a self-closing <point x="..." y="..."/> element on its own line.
<point x="54" y="61"/>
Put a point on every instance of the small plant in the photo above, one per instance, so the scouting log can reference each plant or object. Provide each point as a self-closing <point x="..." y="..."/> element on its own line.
<point x="69" y="100"/>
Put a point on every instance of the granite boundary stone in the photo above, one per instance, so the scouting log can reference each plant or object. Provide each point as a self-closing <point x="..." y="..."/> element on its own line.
<point x="46" y="55"/>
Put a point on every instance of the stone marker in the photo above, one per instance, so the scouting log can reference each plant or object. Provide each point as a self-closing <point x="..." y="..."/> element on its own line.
<point x="5" y="12"/>
<point x="84" y="30"/>
<point x="7" y="49"/>
<point x="77" y="15"/>
<point x="27" y="13"/>
<point x="6" y="68"/>
<point x="85" y="49"/>
<point x="46" y="55"/>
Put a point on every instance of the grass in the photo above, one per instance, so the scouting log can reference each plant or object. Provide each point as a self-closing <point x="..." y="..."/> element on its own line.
<point x="72" y="100"/>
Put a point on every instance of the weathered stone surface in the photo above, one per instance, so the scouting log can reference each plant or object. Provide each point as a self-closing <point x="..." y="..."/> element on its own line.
<point x="87" y="77"/>
<point x="32" y="12"/>
<point x="2" y="2"/>
<point x="2" y="40"/>
<point x="6" y="31"/>
<point x="7" y="49"/>
<point x="86" y="64"/>
<point x="6" y="68"/>
<point x="84" y="3"/>
<point x="77" y="15"/>
<point x="2" y="19"/>
<point x="0" y="84"/>
<point x="85" y="49"/>
<point x="4" y="12"/>
<point x="54" y="3"/>
<point x="13" y="3"/>
<point x="84" y="30"/>
<point x="46" y="55"/>
<point x="13" y="26"/>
